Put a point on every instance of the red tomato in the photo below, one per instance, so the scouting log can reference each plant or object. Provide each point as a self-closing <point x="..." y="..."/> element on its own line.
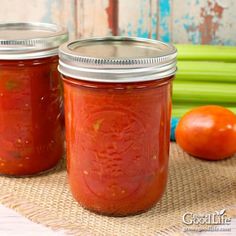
<point x="208" y="132"/>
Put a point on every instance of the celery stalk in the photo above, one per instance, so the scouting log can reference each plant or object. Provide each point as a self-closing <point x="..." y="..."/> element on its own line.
<point x="206" y="93"/>
<point x="206" y="52"/>
<point x="206" y="71"/>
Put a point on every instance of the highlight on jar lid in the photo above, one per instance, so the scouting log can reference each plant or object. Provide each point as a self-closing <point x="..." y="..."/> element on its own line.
<point x="30" y="40"/>
<point x="117" y="59"/>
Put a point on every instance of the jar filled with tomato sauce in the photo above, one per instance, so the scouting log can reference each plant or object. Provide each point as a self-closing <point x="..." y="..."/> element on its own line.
<point x="117" y="97"/>
<point x="31" y="121"/>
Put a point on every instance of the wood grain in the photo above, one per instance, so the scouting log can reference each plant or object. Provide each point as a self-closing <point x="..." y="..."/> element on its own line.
<point x="178" y="21"/>
<point x="204" y="22"/>
<point x="92" y="18"/>
<point x="165" y="20"/>
<point x="138" y="18"/>
<point x="113" y="16"/>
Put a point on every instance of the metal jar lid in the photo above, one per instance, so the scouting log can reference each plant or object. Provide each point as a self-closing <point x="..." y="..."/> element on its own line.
<point x="30" y="40"/>
<point x="117" y="59"/>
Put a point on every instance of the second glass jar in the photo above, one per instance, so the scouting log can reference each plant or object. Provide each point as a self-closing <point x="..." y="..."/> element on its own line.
<point x="31" y="125"/>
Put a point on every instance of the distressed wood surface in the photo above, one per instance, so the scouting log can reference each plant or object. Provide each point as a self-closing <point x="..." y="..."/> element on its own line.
<point x="139" y="18"/>
<point x="178" y="21"/>
<point x="165" y="20"/>
<point x="92" y="18"/>
<point x="204" y="21"/>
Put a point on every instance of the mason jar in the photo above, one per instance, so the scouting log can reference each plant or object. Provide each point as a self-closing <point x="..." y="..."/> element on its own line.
<point x="31" y="126"/>
<point x="117" y="94"/>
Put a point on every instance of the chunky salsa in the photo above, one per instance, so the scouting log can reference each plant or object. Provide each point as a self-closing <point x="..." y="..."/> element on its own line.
<point x="117" y="143"/>
<point x="31" y="126"/>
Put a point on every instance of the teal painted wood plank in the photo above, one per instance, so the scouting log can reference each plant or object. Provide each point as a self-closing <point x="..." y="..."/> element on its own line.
<point x="204" y="22"/>
<point x="138" y="18"/>
<point x="153" y="19"/>
<point x="165" y="20"/>
<point x="179" y="21"/>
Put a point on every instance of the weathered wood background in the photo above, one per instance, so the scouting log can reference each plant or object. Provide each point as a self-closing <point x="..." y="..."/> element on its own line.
<point x="179" y="21"/>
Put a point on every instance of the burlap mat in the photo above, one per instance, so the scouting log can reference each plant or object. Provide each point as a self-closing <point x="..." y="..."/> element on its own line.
<point x="194" y="185"/>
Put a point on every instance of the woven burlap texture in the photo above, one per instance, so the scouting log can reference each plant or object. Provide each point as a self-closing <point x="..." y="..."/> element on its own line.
<point x="194" y="186"/>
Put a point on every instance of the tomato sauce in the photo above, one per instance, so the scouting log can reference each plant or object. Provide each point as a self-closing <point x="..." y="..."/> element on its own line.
<point x="31" y="127"/>
<point x="118" y="144"/>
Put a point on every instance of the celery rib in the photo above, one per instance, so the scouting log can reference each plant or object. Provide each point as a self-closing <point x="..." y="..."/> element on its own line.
<point x="206" y="71"/>
<point x="206" y="52"/>
<point x="204" y="92"/>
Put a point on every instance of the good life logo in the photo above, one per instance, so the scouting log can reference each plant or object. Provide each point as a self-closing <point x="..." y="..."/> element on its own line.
<point x="201" y="221"/>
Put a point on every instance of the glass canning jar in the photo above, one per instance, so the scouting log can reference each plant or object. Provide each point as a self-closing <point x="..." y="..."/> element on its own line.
<point x="31" y="126"/>
<point x="117" y="95"/>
